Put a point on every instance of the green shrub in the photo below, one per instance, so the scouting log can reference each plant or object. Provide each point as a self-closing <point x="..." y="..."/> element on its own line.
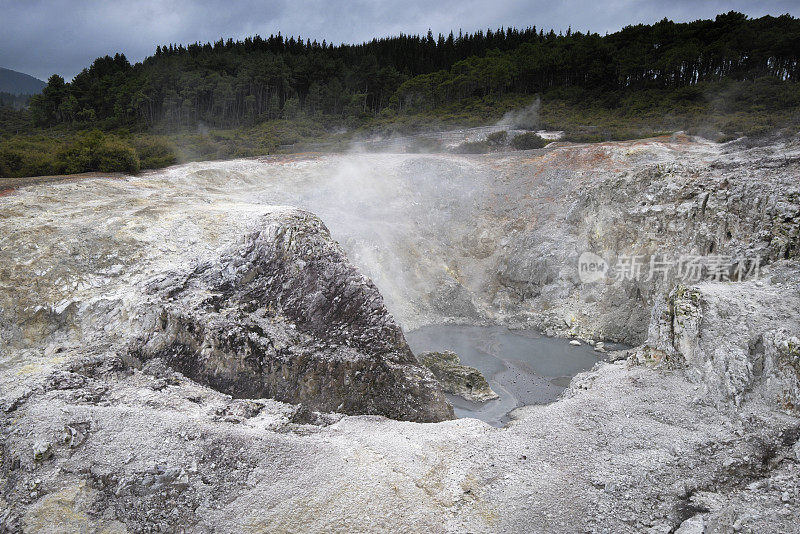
<point x="497" y="139"/>
<point x="154" y="152"/>
<point x="585" y="137"/>
<point x="527" y="141"/>
<point x="472" y="147"/>
<point x="96" y="151"/>
<point x="28" y="159"/>
<point x="10" y="163"/>
<point x="5" y="170"/>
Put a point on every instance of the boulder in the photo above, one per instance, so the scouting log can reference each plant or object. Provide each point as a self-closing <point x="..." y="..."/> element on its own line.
<point x="284" y="315"/>
<point x="464" y="381"/>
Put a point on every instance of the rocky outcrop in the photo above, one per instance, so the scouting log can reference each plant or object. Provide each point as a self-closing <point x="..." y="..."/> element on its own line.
<point x="284" y="315"/>
<point x="734" y="338"/>
<point x="649" y="201"/>
<point x="462" y="380"/>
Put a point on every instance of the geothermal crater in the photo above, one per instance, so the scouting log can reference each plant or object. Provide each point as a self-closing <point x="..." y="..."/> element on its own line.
<point x="227" y="346"/>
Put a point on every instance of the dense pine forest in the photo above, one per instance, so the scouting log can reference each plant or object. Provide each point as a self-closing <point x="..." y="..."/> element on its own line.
<point x="289" y="89"/>
<point x="232" y="83"/>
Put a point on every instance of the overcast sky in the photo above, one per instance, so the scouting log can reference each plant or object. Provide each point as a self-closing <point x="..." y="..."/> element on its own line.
<point x="63" y="36"/>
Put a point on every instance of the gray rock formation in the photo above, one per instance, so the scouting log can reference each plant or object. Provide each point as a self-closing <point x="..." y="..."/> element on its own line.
<point x="734" y="339"/>
<point x="462" y="380"/>
<point x="284" y="315"/>
<point x="698" y="428"/>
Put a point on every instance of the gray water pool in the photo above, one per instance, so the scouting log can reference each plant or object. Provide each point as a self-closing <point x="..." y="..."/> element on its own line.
<point x="522" y="366"/>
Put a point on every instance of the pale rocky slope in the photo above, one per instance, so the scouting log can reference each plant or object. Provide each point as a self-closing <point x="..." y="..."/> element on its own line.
<point x="697" y="429"/>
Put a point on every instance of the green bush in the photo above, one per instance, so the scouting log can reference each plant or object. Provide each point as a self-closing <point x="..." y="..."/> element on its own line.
<point x="5" y="169"/>
<point x="28" y="158"/>
<point x="154" y="152"/>
<point x="10" y="163"/>
<point x="527" y="141"/>
<point x="472" y="147"/>
<point x="96" y="151"/>
<point x="497" y="139"/>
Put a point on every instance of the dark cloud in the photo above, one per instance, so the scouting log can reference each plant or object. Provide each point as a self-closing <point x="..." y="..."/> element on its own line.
<point x="63" y="36"/>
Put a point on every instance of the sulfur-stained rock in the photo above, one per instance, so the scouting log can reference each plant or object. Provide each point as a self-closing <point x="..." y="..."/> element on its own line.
<point x="65" y="511"/>
<point x="462" y="380"/>
<point x="42" y="451"/>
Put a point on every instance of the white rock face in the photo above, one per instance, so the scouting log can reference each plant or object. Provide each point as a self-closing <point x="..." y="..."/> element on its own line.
<point x="735" y="338"/>
<point x="700" y="426"/>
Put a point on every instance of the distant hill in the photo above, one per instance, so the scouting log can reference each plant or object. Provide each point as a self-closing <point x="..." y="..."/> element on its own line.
<point x="19" y="83"/>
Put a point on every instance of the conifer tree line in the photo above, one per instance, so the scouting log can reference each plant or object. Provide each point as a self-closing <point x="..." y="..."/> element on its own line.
<point x="14" y="101"/>
<point x="234" y="83"/>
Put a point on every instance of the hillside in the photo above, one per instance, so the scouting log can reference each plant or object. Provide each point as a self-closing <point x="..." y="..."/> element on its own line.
<point x="724" y="78"/>
<point x="19" y="83"/>
<point x="239" y="83"/>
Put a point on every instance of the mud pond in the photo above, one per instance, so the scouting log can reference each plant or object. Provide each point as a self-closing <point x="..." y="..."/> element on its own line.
<point x="522" y="366"/>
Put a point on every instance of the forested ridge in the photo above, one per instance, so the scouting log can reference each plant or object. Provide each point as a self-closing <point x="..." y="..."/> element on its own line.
<point x="235" y="83"/>
<point x="720" y="78"/>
